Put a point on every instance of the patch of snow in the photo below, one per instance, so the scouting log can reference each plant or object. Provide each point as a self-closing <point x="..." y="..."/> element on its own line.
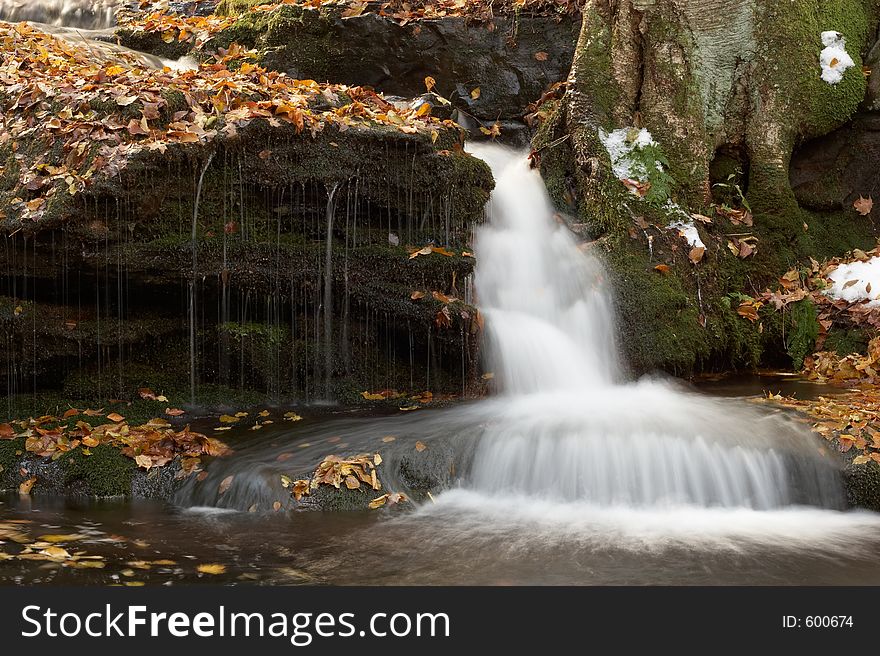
<point x="689" y="232"/>
<point x="684" y="225"/>
<point x="181" y="65"/>
<point x="621" y="144"/>
<point x="864" y="274"/>
<point x="834" y="59"/>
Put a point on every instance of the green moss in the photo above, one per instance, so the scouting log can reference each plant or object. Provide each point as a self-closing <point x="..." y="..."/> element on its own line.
<point x="845" y="341"/>
<point x="805" y="330"/>
<point x="10" y="455"/>
<point x="104" y="473"/>
<point x="658" y="323"/>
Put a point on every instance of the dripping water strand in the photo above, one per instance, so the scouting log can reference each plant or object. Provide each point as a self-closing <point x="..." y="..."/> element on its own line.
<point x="192" y="283"/>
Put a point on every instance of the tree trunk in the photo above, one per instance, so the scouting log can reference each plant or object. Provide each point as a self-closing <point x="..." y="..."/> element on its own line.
<point x="725" y="88"/>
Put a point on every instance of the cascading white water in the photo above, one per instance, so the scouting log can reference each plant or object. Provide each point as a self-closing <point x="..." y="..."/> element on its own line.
<point x="89" y="14"/>
<point x="564" y="429"/>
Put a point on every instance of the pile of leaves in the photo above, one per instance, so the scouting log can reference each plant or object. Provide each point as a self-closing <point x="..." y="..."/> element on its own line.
<point x="848" y="370"/>
<point x="852" y="419"/>
<point x="153" y="444"/>
<point x="70" y="116"/>
<point x="405" y="11"/>
<point x="336" y="471"/>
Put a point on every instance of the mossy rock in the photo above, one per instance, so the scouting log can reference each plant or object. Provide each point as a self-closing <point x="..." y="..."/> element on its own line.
<point x="104" y="473"/>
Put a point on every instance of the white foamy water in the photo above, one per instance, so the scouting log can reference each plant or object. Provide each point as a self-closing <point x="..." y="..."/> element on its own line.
<point x="90" y="14"/>
<point x="567" y="436"/>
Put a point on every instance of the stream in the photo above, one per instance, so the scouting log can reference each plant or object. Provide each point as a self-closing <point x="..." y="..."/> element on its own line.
<point x="570" y="474"/>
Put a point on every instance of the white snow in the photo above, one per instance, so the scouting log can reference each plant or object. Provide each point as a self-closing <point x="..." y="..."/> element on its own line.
<point x="864" y="273"/>
<point x="684" y="225"/>
<point x="689" y="232"/>
<point x="834" y="59"/>
<point x="620" y="145"/>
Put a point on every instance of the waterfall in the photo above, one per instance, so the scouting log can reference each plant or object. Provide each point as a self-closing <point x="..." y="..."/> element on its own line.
<point x="565" y="428"/>
<point x="88" y="14"/>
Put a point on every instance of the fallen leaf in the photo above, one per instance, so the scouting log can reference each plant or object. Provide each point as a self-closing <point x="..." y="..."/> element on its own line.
<point x="211" y="568"/>
<point x="663" y="268"/>
<point x="541" y="56"/>
<point x="27" y="486"/>
<point x="421" y="446"/>
<point x="864" y="205"/>
<point x="475" y="94"/>
<point x="115" y="417"/>
<point x="430" y="83"/>
<point x="225" y="483"/>
<point x="174" y="412"/>
<point x="696" y="254"/>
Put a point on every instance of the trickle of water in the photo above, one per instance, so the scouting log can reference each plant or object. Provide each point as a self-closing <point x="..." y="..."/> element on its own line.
<point x="564" y="429"/>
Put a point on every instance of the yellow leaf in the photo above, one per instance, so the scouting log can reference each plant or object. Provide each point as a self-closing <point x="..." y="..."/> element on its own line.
<point x="61" y="538"/>
<point x="378" y="502"/>
<point x="27" y="486"/>
<point x="115" y="417"/>
<point x="475" y="93"/>
<point x="430" y="83"/>
<point x="228" y="419"/>
<point x="211" y="568"/>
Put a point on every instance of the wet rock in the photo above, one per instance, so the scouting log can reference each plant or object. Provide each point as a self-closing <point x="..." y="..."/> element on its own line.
<point x="104" y="473"/>
<point x="830" y="172"/>
<point x="490" y="70"/>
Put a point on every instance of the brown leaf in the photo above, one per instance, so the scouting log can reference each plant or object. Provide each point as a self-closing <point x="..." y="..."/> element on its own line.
<point x="224" y="484"/>
<point x="663" y="268"/>
<point x="115" y="417"/>
<point x="421" y="446"/>
<point x="696" y="254"/>
<point x="174" y="412"/>
<point x="430" y="83"/>
<point x="864" y="205"/>
<point x="541" y="56"/>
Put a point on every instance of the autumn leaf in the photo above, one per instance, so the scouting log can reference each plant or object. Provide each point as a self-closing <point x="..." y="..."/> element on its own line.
<point x="228" y="419"/>
<point x="225" y="484"/>
<point x="6" y="432"/>
<point x="541" y="56"/>
<point x="696" y="254"/>
<point x="26" y="487"/>
<point x="864" y="205"/>
<point x="421" y="446"/>
<point x="663" y="268"/>
<point x="430" y="83"/>
<point x="174" y="412"/>
<point x="475" y="94"/>
<point x="415" y="296"/>
<point x="211" y="568"/>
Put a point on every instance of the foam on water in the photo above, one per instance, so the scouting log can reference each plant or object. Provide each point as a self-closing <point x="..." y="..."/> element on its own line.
<point x="565" y="431"/>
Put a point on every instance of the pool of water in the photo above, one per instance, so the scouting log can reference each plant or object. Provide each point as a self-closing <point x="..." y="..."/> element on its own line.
<point x="459" y="541"/>
<point x="463" y="537"/>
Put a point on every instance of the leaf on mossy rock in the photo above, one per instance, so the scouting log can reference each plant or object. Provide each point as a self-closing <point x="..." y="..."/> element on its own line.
<point x="26" y="486"/>
<point x="864" y="205"/>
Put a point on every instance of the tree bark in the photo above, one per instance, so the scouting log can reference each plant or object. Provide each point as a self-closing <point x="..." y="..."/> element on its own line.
<point x="714" y="81"/>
